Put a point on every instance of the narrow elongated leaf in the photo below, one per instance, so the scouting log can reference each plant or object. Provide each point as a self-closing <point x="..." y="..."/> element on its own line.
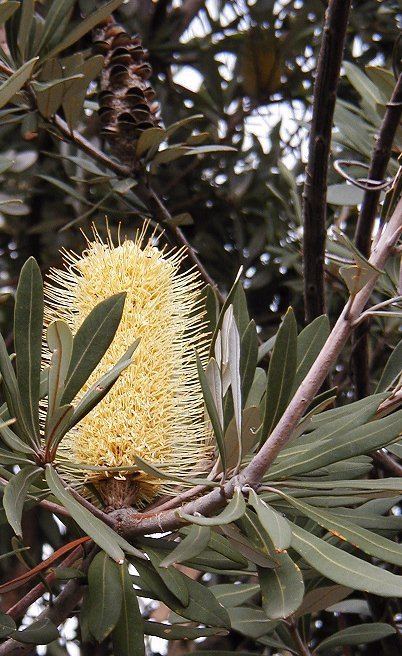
<point x="231" y="595"/>
<point x="60" y="342"/>
<point x="233" y="511"/>
<point x="251" y="622"/>
<point x="105" y="596"/>
<point x="150" y="138"/>
<point x="103" y="535"/>
<point x="357" y="635"/>
<point x="213" y="375"/>
<point x="276" y="526"/>
<point x="58" y="11"/>
<point x="235" y="382"/>
<point x="309" y="344"/>
<point x="248" y="359"/>
<point x="12" y="440"/>
<point x="251" y="422"/>
<point x="174" y="580"/>
<point x="10" y="458"/>
<point x="91" y="342"/>
<point x="26" y="18"/>
<point x="28" y="327"/>
<point x="282" y="588"/>
<point x="392" y="370"/>
<point x="367" y="541"/>
<point x="59" y="425"/>
<point x="227" y="303"/>
<point x="321" y="598"/>
<point x="257" y="388"/>
<point x="16" y="81"/>
<point x="281" y="373"/>
<point x="342" y="567"/>
<point x="15" y="493"/>
<point x="177" y="632"/>
<point x="7" y="625"/>
<point x="193" y="544"/>
<point x="128" y="636"/>
<point x="41" y="632"/>
<point x="212" y="412"/>
<point x="340" y="440"/>
<point x="12" y="393"/>
<point x="99" y="389"/>
<point x="85" y="26"/>
<point x="7" y="9"/>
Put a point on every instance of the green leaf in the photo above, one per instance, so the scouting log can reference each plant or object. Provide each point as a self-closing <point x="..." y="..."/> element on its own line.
<point x="344" y="194"/>
<point x="105" y="596"/>
<point x="392" y="369"/>
<point x="193" y="544"/>
<point x="12" y="393"/>
<point x="103" y="535"/>
<point x="282" y="588"/>
<point x="235" y="382"/>
<point x="41" y="632"/>
<point x="7" y="9"/>
<point x="309" y="345"/>
<point x="102" y="386"/>
<point x="182" y="123"/>
<point x="16" y="81"/>
<point x="212" y="411"/>
<point x="7" y="624"/>
<point x="248" y="359"/>
<point x="9" y="458"/>
<point x="150" y="138"/>
<point x="357" y="635"/>
<point x="212" y="148"/>
<point x="338" y="440"/>
<point x="24" y="29"/>
<point x="91" y="342"/>
<point x="12" y="440"/>
<point x="228" y="301"/>
<point x="369" y="542"/>
<point x="251" y="622"/>
<point x="341" y="567"/>
<point x="177" y="632"/>
<point x="174" y="580"/>
<point x="85" y="26"/>
<point x="15" y="493"/>
<point x="59" y="425"/>
<point x="233" y="511"/>
<point x="128" y="636"/>
<point x="257" y="388"/>
<point x="28" y="327"/>
<point x="251" y="422"/>
<point x="363" y="85"/>
<point x="231" y="595"/>
<point x="281" y="374"/>
<point x="60" y="342"/>
<point x="203" y="606"/>
<point x="276" y="526"/>
<point x="59" y="10"/>
<point x="321" y="598"/>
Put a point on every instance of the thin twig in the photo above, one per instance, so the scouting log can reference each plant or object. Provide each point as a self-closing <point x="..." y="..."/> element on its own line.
<point x="315" y="187"/>
<point x="365" y="225"/>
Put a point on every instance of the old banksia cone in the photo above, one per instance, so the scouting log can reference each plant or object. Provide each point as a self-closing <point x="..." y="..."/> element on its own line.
<point x="155" y="410"/>
<point x="127" y="103"/>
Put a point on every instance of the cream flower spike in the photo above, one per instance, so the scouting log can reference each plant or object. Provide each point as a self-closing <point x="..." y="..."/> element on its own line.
<point x="155" y="410"/>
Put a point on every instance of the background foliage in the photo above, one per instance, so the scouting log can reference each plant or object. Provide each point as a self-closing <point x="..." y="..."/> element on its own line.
<point x="232" y="185"/>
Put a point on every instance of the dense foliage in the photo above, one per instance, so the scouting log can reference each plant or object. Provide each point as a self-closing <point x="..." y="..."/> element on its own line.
<point x="196" y="117"/>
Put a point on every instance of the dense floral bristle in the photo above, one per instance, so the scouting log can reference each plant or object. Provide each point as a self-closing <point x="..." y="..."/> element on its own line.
<point x="155" y="410"/>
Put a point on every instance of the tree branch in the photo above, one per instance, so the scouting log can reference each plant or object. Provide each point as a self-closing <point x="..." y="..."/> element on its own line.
<point x="315" y="186"/>
<point x="365" y="225"/>
<point x="133" y="524"/>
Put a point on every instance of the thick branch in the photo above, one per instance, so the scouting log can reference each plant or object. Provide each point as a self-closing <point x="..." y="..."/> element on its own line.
<point x="132" y="524"/>
<point x="365" y="225"/>
<point x="315" y="186"/>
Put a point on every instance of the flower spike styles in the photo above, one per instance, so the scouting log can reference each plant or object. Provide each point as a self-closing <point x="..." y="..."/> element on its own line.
<point x="155" y="410"/>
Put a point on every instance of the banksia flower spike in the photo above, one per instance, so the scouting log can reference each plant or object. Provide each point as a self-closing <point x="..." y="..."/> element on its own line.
<point x="155" y="409"/>
<point x="127" y="103"/>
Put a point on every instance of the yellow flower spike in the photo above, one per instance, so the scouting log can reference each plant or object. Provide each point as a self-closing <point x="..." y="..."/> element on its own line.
<point x="155" y="410"/>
